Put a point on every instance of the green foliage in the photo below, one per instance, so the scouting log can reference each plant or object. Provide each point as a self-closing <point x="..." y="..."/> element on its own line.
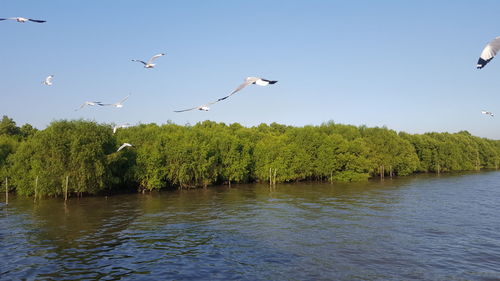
<point x="75" y="149"/>
<point x="8" y="127"/>
<point x="214" y="153"/>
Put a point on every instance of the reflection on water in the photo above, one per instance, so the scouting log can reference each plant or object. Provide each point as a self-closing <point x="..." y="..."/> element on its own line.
<point x="423" y="227"/>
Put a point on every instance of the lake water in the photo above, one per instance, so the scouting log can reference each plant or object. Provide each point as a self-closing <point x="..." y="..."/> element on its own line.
<point x="414" y="228"/>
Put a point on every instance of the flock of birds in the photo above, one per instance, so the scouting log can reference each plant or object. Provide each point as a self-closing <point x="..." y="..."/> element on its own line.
<point x="487" y="54"/>
<point x="147" y="64"/>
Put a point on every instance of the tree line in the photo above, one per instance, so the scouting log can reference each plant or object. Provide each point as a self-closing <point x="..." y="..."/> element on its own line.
<point x="37" y="162"/>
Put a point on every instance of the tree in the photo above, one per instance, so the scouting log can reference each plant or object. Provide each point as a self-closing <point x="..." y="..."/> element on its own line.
<point x="77" y="149"/>
<point x="8" y="127"/>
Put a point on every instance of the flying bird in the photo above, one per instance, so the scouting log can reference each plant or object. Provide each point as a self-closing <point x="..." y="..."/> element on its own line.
<point x="48" y="80"/>
<point x="488" y="52"/>
<point x="90" y="103"/>
<point x="120" y="126"/>
<point x="149" y="63"/>
<point x="487" y="113"/>
<point x="123" y="146"/>
<point x="118" y="104"/>
<point x="19" y="19"/>
<point x="248" y="81"/>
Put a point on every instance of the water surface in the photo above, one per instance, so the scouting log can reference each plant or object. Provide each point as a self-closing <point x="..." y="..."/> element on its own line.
<point x="412" y="228"/>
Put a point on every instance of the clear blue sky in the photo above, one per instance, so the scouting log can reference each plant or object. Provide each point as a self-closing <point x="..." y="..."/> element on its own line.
<point x="407" y="65"/>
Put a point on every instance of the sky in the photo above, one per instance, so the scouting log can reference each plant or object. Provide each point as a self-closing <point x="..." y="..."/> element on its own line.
<point x="406" y="65"/>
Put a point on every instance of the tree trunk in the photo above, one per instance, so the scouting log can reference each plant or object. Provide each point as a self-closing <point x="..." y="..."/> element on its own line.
<point x="274" y="181"/>
<point x="36" y="188"/>
<point x="6" y="192"/>
<point x="270" y="176"/>
<point x="66" y="190"/>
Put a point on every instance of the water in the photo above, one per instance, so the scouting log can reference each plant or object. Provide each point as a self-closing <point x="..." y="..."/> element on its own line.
<point x="414" y="228"/>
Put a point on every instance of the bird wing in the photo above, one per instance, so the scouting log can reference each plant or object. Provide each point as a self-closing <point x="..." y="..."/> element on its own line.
<point x="123" y="100"/>
<point x="196" y="107"/>
<point x="489" y="52"/>
<point x="140" y="61"/>
<point x="243" y="85"/>
<point x="120" y="126"/>
<point x="246" y="83"/>
<point x="200" y="106"/>
<point x="123" y="146"/>
<point x="81" y="106"/>
<point x="39" y="21"/>
<point x="49" y="78"/>
<point x="264" y="82"/>
<point x="3" y="19"/>
<point x="154" y="57"/>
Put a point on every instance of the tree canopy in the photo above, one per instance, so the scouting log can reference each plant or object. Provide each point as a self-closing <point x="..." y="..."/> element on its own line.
<point x="174" y="156"/>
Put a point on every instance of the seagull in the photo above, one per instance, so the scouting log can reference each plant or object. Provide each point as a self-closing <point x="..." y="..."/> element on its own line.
<point x="120" y="126"/>
<point x="123" y="146"/>
<point x="248" y="81"/>
<point x="487" y="113"/>
<point x="489" y="52"/>
<point x="150" y="63"/>
<point x="48" y="80"/>
<point x="19" y="19"/>
<point x="90" y="103"/>
<point x="118" y="104"/>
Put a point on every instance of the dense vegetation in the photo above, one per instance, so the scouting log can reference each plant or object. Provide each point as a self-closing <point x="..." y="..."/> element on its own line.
<point x="38" y="162"/>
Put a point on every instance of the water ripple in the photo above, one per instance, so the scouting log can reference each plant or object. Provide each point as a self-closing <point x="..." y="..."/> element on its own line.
<point x="415" y="228"/>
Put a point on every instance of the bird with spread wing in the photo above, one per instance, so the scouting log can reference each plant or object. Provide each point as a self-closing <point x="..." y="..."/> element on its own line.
<point x="20" y="19"/>
<point x="248" y="81"/>
<point x="149" y="63"/>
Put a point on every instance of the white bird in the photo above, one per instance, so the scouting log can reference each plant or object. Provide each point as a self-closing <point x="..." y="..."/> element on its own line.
<point x="90" y="103"/>
<point x="123" y="146"/>
<point x="489" y="52"/>
<point x="149" y="63"/>
<point x="248" y="81"/>
<point x="19" y="19"/>
<point x="48" y="80"/>
<point x="487" y="113"/>
<point x="118" y="104"/>
<point x="126" y="125"/>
